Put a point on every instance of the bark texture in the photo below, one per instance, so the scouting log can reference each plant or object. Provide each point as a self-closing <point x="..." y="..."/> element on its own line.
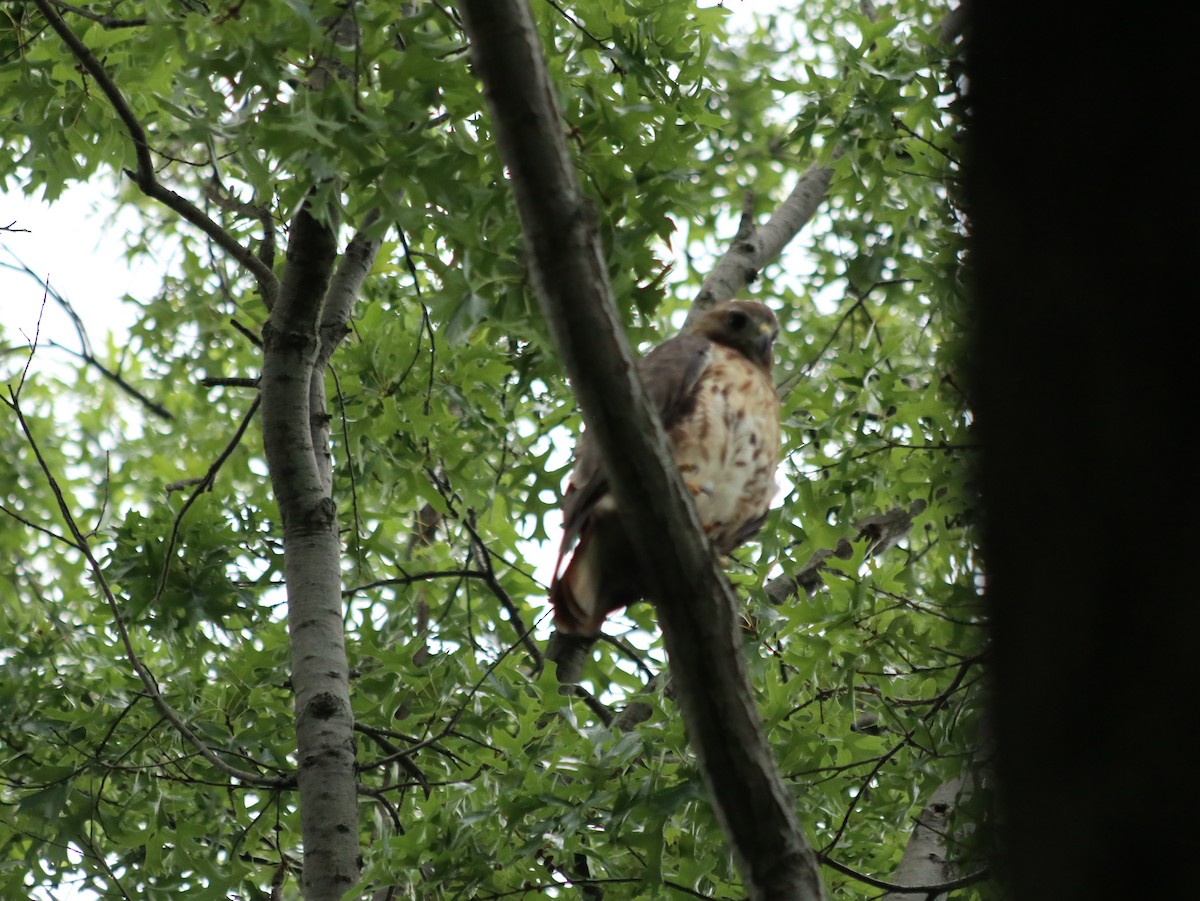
<point x="694" y="601"/>
<point x="926" y="859"/>
<point x="297" y="451"/>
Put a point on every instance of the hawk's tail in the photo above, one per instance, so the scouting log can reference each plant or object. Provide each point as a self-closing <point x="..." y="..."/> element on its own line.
<point x="574" y="595"/>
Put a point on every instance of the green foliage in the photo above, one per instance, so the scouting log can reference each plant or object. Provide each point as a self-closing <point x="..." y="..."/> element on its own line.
<point x="451" y="417"/>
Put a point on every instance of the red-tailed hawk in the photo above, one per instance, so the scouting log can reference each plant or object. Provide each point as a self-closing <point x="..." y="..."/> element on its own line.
<point x="712" y="387"/>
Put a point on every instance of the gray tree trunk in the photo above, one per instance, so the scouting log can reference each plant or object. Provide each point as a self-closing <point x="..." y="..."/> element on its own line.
<point x="307" y="321"/>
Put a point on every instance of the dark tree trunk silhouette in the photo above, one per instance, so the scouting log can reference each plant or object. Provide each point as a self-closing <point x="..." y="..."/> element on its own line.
<point x="1080" y="358"/>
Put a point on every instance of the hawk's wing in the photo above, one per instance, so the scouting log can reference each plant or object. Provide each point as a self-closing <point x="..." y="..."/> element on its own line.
<point x="669" y="373"/>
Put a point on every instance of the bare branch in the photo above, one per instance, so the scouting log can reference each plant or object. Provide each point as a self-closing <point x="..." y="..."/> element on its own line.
<point x="87" y="359"/>
<point x="220" y="195"/>
<point x="483" y="556"/>
<point x="247" y="334"/>
<point x="752" y="249"/>
<point x="923" y="892"/>
<point x="85" y="352"/>
<point x="203" y="483"/>
<point x="30" y="524"/>
<point x="110" y="22"/>
<point x="213" y="381"/>
<point x="179" y="484"/>
<point x="411" y="578"/>
<point x="33" y="343"/>
<point x="881" y="532"/>
<point x="344" y="288"/>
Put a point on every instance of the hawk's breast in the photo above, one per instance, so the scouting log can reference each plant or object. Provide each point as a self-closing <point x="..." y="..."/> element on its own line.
<point x="727" y="447"/>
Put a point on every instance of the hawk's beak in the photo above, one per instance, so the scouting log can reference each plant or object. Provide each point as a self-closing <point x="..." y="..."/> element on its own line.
<point x="762" y="343"/>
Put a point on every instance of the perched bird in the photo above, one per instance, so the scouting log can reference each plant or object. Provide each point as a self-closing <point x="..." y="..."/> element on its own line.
<point x="711" y="385"/>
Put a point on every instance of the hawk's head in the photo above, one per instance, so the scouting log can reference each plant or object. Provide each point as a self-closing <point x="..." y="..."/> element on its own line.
<point x="745" y="326"/>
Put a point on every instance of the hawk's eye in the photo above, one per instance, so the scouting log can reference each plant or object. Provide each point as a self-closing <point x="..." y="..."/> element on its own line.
<point x="737" y="320"/>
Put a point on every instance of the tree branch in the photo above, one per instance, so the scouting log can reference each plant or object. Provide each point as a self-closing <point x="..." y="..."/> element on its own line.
<point x="144" y="177"/>
<point x="695" y="603"/>
<point x="117" y="379"/>
<point x="85" y="352"/>
<point x="337" y="304"/>
<point x="104" y="21"/>
<point x="203" y="483"/>
<point x="926" y="865"/>
<point x="352" y="271"/>
<point x="881" y="532"/>
<point x="753" y="248"/>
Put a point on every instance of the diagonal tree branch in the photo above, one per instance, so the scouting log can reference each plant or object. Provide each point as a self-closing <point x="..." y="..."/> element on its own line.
<point x="84" y="354"/>
<point x="344" y="288"/>
<point x="880" y="532"/>
<point x="753" y="248"/>
<point x="105" y="21"/>
<point x="695" y="603"/>
<point x="144" y="176"/>
<point x="352" y="271"/>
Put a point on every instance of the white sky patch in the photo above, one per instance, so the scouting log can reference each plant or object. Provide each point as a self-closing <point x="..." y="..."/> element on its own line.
<point x="77" y="244"/>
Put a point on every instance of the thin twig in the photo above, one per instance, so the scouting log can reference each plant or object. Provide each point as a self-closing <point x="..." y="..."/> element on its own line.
<point x="514" y="615"/>
<point x="205" y="484"/>
<point x="87" y="359"/>
<point x="143" y="673"/>
<point x="33" y="343"/>
<point x="247" y="334"/>
<point x="462" y="706"/>
<point x="29" y="524"/>
<point x="228" y="382"/>
<point x="109" y="22"/>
